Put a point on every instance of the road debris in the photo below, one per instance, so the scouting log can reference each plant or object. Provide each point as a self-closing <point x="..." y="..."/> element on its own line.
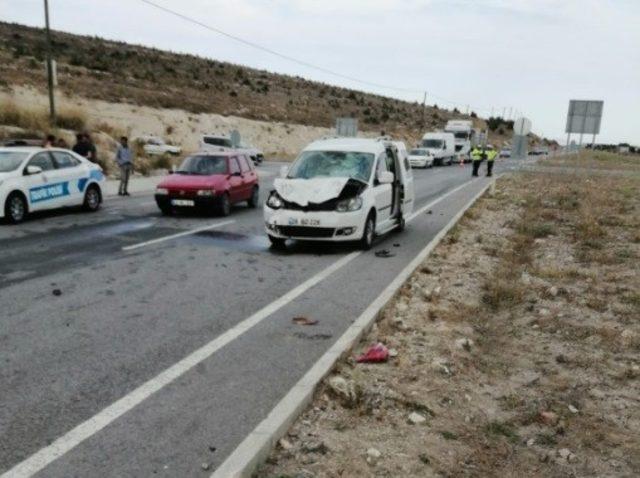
<point x="384" y="253"/>
<point x="304" y="321"/>
<point x="374" y="354"/>
<point x="56" y="292"/>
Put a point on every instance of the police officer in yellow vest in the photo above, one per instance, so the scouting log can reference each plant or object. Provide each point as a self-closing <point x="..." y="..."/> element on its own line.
<point x="476" y="157"/>
<point x="491" y="157"/>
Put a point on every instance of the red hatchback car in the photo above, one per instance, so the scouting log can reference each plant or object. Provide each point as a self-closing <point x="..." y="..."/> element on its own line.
<point x="209" y="182"/>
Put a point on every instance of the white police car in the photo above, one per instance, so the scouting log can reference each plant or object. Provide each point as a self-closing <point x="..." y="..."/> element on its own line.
<point x="35" y="179"/>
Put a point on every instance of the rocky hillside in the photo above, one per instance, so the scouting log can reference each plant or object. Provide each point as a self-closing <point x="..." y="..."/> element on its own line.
<point x="122" y="73"/>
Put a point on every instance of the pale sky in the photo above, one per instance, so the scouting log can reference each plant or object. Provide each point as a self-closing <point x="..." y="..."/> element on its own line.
<point x="529" y="55"/>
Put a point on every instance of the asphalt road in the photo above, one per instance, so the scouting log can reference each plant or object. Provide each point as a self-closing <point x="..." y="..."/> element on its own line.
<point x="94" y="316"/>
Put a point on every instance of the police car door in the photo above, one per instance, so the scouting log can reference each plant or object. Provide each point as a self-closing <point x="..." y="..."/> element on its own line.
<point x="382" y="195"/>
<point x="43" y="192"/>
<point x="74" y="174"/>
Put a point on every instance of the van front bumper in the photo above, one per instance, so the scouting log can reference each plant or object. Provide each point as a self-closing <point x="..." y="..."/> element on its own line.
<point x="314" y="226"/>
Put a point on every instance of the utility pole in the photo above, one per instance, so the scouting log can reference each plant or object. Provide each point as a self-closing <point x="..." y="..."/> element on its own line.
<point x="424" y="110"/>
<point x="52" y="103"/>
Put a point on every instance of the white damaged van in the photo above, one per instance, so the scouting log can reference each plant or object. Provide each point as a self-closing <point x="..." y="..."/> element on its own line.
<point x="342" y="189"/>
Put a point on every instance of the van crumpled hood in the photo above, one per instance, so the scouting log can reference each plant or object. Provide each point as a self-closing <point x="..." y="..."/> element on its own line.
<point x="316" y="190"/>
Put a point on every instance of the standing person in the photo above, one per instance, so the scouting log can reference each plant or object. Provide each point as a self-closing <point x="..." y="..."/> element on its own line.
<point x="49" y="142"/>
<point x="61" y="143"/>
<point x="93" y="153"/>
<point x="81" y="147"/>
<point x="491" y="157"/>
<point x="124" y="158"/>
<point x="476" y="157"/>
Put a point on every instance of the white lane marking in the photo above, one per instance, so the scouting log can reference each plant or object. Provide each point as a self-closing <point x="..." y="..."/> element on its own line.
<point x="258" y="443"/>
<point x="71" y="439"/>
<point x="175" y="236"/>
<point x="45" y="456"/>
<point x="435" y="201"/>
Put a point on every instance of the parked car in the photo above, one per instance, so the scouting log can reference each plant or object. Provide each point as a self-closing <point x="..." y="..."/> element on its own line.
<point x="256" y="155"/>
<point x="342" y="189"/>
<point x="216" y="142"/>
<point x="441" y="146"/>
<point x="505" y="153"/>
<point x="209" y="182"/>
<point x="156" y="146"/>
<point x="35" y="179"/>
<point x="420" y="158"/>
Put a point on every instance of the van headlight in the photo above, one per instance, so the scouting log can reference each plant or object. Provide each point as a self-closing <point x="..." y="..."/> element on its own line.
<point x="275" y="201"/>
<point x="207" y="193"/>
<point x="162" y="191"/>
<point x="349" y="205"/>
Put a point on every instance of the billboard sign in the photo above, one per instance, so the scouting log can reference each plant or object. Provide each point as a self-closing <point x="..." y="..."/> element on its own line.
<point x="584" y="116"/>
<point x="347" y="127"/>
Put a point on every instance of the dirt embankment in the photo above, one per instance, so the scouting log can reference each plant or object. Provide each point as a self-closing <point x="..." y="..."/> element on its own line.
<point x="517" y="346"/>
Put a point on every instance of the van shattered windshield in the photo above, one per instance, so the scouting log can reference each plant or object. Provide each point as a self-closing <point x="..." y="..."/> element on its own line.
<point x="10" y="160"/>
<point x="332" y="164"/>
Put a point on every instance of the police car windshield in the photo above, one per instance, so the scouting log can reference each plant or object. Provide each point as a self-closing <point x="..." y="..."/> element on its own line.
<point x="332" y="164"/>
<point x="202" y="165"/>
<point x="10" y="160"/>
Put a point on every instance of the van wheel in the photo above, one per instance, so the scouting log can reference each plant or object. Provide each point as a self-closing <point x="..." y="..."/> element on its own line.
<point x="224" y="208"/>
<point x="15" y="209"/>
<point x="91" y="199"/>
<point x="255" y="197"/>
<point x="277" y="242"/>
<point x="369" y="232"/>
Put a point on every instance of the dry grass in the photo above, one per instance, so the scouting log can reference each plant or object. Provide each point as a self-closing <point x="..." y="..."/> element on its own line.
<point x="553" y="363"/>
<point x="38" y="121"/>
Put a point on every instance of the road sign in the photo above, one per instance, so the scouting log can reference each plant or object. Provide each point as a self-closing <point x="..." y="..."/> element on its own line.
<point x="347" y="127"/>
<point x="522" y="127"/>
<point x="235" y="138"/>
<point x="584" y="116"/>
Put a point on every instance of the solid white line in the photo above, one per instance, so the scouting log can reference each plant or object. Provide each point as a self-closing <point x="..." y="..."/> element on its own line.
<point x="175" y="236"/>
<point x="93" y="425"/>
<point x="435" y="201"/>
<point x="71" y="439"/>
<point x="255" y="448"/>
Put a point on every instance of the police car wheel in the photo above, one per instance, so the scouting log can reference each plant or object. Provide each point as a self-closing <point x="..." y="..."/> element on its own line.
<point x="92" y="199"/>
<point x="15" y="208"/>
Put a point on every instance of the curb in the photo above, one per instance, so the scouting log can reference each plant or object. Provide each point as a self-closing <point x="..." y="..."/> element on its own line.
<point x="255" y="448"/>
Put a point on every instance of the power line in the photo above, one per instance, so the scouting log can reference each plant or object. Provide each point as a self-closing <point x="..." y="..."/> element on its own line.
<point x="274" y="52"/>
<point x="297" y="60"/>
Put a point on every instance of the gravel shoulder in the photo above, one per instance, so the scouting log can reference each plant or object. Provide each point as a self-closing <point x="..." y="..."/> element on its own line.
<point x="514" y="349"/>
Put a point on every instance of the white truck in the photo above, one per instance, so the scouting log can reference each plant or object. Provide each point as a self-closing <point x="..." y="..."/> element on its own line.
<point x="441" y="146"/>
<point x="465" y="137"/>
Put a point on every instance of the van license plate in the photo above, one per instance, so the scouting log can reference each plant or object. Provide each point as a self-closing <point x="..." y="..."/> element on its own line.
<point x="309" y="222"/>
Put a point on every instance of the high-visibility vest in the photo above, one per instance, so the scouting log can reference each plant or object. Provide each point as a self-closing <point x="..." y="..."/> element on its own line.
<point x="491" y="154"/>
<point x="476" y="154"/>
